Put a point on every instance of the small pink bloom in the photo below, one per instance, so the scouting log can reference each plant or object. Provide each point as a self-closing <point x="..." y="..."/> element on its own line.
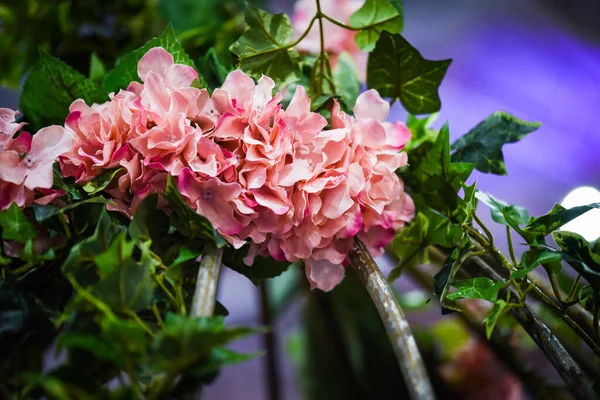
<point x="46" y="146"/>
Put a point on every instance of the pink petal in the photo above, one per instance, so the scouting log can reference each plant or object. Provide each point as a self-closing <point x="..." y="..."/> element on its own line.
<point x="49" y="143"/>
<point x="11" y="169"/>
<point x="336" y="201"/>
<point x="156" y="60"/>
<point x="22" y="144"/>
<point x="370" y="105"/>
<point x="180" y="75"/>
<point x="322" y="274"/>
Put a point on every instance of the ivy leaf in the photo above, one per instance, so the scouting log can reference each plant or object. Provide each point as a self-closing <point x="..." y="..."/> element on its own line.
<point x="374" y="17"/>
<point x="186" y="342"/>
<point x="188" y="221"/>
<point x="347" y="82"/>
<point x="476" y="288"/>
<point x="587" y="262"/>
<point x="266" y="45"/>
<point x="125" y="71"/>
<point x="421" y="131"/>
<point x="397" y="70"/>
<point x="213" y="69"/>
<point x="434" y="178"/>
<point x="442" y="231"/>
<point x="148" y="222"/>
<point x="102" y="181"/>
<point x="80" y="261"/>
<point x="15" y="225"/>
<point x="493" y="316"/>
<point x="586" y="297"/>
<point x="504" y="213"/>
<point x="263" y="268"/>
<point x="45" y="212"/>
<point x="51" y="87"/>
<point x="537" y="228"/>
<point x="445" y="276"/>
<point x="538" y="256"/>
<point x="482" y="145"/>
<point x="410" y="245"/>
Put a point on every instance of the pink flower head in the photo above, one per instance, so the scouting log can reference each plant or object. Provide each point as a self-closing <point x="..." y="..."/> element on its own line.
<point x="338" y="39"/>
<point x="26" y="162"/>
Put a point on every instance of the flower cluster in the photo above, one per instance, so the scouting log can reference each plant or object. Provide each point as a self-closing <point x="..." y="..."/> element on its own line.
<point x="26" y="161"/>
<point x="260" y="173"/>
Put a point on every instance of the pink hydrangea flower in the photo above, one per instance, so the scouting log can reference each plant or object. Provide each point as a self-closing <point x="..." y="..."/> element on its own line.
<point x="338" y="39"/>
<point x="302" y="192"/>
<point x="263" y="174"/>
<point x="26" y="161"/>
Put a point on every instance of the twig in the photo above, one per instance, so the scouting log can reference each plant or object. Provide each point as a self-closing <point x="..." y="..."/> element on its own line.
<point x="396" y="325"/>
<point x="205" y="294"/>
<point x="541" y="335"/>
<point x="270" y="345"/>
<point x="509" y="354"/>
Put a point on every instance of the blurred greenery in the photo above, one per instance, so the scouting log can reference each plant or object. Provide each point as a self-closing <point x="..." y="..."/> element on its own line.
<point x="71" y="30"/>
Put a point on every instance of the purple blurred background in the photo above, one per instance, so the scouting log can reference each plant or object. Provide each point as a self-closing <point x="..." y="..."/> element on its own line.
<point x="539" y="60"/>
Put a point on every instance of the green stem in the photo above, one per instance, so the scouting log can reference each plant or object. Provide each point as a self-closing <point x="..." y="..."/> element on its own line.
<point x="140" y="322"/>
<point x="511" y="248"/>
<point x="357" y="28"/>
<point x="573" y="292"/>
<point x="396" y="325"/>
<point x="489" y="235"/>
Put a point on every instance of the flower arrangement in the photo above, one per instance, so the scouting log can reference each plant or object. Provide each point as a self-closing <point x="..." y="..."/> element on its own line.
<point x="116" y="216"/>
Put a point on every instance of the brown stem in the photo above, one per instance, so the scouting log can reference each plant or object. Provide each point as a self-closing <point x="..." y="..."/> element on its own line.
<point x="205" y="294"/>
<point x="270" y="345"/>
<point x="396" y="325"/>
<point x="549" y="344"/>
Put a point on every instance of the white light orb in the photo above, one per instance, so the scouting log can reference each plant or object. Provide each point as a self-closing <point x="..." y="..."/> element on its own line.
<point x="588" y="224"/>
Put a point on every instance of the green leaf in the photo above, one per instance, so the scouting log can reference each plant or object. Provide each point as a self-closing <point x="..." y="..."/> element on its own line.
<point x="102" y="181"/>
<point x="538" y="256"/>
<point x="441" y="230"/>
<point x="587" y="263"/>
<point x="410" y="245"/>
<point x="537" y="228"/>
<point x="31" y="255"/>
<point x="213" y="69"/>
<point x="124" y="283"/>
<point x="80" y="261"/>
<point x="263" y="268"/>
<point x="493" y="316"/>
<point x="482" y="145"/>
<point x="188" y="221"/>
<point x="374" y="17"/>
<point x="446" y="275"/>
<point x="347" y="82"/>
<point x="421" y="131"/>
<point x="434" y="178"/>
<point x="15" y="225"/>
<point x="397" y="70"/>
<point x="148" y="222"/>
<point x="97" y="69"/>
<point x="125" y="71"/>
<point x="503" y="213"/>
<point x="51" y="87"/>
<point x="476" y="288"/>
<point x="98" y="346"/>
<point x="586" y="297"/>
<point x="266" y="45"/>
<point x="398" y="5"/>
<point x="45" y="212"/>
<point x="186" y="343"/>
